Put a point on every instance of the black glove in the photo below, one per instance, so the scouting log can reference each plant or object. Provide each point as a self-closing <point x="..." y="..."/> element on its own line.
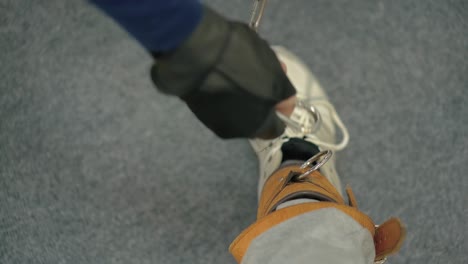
<point x="228" y="76"/>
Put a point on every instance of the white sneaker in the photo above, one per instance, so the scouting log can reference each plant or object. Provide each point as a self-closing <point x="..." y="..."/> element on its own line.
<point x="314" y="119"/>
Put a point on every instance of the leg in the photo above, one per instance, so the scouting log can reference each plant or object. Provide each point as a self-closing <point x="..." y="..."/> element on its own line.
<point x="302" y="214"/>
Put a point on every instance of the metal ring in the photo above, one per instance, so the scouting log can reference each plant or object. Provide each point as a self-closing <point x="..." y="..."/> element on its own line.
<point x="320" y="158"/>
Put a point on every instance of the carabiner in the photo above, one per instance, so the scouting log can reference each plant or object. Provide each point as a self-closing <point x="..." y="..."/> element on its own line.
<point x="257" y="13"/>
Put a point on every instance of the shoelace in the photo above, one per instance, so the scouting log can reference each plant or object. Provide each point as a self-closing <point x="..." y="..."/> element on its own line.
<point x="306" y="121"/>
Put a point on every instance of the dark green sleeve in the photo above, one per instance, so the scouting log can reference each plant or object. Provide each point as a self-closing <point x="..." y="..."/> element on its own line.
<point x="228" y="76"/>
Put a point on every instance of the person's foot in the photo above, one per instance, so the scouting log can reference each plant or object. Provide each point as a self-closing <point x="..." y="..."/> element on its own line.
<point x="311" y="125"/>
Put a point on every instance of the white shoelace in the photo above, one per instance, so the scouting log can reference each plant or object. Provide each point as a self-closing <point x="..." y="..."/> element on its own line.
<point x="305" y="122"/>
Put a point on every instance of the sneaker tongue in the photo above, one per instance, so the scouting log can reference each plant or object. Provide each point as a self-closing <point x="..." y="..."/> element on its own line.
<point x="298" y="149"/>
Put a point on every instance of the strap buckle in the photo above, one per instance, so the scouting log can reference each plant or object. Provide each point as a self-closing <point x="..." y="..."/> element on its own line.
<point x="382" y="261"/>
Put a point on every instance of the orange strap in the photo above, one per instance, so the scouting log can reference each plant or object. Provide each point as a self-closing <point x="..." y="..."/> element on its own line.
<point x="388" y="238"/>
<point x="280" y="186"/>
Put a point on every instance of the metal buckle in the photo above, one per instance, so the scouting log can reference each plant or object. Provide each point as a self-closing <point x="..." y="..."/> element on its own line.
<point x="320" y="159"/>
<point x="380" y="261"/>
<point x="257" y="13"/>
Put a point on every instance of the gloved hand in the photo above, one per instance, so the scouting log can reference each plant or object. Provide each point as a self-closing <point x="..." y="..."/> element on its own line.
<point x="228" y="76"/>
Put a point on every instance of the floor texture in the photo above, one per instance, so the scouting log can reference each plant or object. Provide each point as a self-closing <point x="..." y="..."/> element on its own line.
<point x="96" y="166"/>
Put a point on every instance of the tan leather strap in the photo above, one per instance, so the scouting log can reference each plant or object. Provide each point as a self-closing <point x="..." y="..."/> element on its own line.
<point x="282" y="186"/>
<point x="351" y="198"/>
<point x="389" y="238"/>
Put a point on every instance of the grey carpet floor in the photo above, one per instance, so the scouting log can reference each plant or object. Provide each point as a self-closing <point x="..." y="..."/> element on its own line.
<point x="96" y="166"/>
